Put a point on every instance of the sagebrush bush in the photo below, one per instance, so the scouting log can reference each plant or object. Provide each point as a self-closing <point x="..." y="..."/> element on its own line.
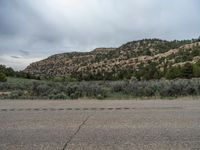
<point x="59" y="96"/>
<point x="162" y="88"/>
<point x="16" y="94"/>
<point x="118" y="86"/>
<point x="102" y="89"/>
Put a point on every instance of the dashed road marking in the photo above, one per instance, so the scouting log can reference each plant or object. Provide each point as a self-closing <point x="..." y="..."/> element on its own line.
<point x="80" y="109"/>
<point x="3" y="109"/>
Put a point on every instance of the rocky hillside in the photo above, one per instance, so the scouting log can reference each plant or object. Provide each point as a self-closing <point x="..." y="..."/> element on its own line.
<point x="111" y="63"/>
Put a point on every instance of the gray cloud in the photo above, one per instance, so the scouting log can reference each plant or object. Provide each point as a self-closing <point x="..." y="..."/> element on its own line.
<point x="25" y="53"/>
<point x="36" y="29"/>
<point x="17" y="57"/>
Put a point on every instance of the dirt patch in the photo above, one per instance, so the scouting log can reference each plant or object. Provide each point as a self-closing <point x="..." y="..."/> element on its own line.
<point x="4" y="93"/>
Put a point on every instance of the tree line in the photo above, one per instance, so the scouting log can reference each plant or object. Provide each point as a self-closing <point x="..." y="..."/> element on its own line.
<point x="149" y="71"/>
<point x="10" y="72"/>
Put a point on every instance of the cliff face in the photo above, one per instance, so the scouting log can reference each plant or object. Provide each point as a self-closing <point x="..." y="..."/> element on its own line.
<point x="126" y="57"/>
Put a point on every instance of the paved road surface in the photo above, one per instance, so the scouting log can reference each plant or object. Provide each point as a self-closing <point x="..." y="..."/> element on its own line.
<point x="100" y="125"/>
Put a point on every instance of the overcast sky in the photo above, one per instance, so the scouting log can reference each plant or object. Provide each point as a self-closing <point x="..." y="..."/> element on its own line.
<point x="31" y="30"/>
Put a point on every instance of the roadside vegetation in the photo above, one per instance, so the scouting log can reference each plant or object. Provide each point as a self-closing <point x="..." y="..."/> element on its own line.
<point x="17" y="88"/>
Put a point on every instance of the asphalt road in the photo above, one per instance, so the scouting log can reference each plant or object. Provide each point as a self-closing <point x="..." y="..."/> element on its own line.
<point x="100" y="125"/>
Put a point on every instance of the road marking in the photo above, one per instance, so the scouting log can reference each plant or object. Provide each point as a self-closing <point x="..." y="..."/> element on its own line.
<point x="85" y="109"/>
<point x="3" y="109"/>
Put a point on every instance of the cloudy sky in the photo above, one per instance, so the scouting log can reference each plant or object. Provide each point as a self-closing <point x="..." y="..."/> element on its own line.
<point x="31" y="30"/>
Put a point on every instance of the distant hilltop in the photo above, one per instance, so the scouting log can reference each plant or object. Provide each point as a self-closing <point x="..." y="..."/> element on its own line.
<point x="127" y="61"/>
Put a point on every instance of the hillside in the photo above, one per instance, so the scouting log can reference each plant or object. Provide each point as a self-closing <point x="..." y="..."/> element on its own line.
<point x="126" y="61"/>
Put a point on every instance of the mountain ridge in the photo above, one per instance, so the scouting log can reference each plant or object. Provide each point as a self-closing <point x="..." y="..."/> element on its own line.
<point x="128" y="57"/>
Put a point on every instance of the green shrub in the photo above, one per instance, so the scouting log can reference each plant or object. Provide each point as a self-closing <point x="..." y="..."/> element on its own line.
<point x="187" y="71"/>
<point x="173" y="73"/>
<point x="99" y="96"/>
<point x="3" y="77"/>
<point x="196" y="70"/>
<point x="59" y="96"/>
<point x="16" y="94"/>
<point x="58" y="79"/>
<point x="73" y="96"/>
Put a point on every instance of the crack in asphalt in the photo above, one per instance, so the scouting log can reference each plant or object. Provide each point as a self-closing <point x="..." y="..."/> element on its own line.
<point x="75" y="133"/>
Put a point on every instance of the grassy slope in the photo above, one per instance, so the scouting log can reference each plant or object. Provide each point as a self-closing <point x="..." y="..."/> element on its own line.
<point x="13" y="80"/>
